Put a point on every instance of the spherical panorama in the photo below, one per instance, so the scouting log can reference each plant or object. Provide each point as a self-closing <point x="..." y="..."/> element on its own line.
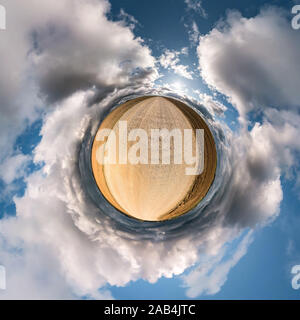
<point x="154" y="158"/>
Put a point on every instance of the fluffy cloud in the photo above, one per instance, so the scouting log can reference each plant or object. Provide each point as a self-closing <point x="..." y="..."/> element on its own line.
<point x="48" y="52"/>
<point x="58" y="48"/>
<point x="214" y="106"/>
<point x="170" y="60"/>
<point x="14" y="167"/>
<point x="57" y="244"/>
<point x="57" y="221"/>
<point x="86" y="51"/>
<point x="243" y="58"/>
<point x="128" y="18"/>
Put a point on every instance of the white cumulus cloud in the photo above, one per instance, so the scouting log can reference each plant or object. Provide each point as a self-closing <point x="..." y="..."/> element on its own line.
<point x="170" y="59"/>
<point x="56" y="245"/>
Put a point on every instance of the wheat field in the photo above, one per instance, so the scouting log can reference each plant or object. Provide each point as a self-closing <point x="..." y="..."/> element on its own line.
<point x="154" y="192"/>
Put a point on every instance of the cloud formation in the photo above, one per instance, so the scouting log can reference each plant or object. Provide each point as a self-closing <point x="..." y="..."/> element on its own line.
<point x="212" y="104"/>
<point x="54" y="49"/>
<point x="196" y="6"/>
<point x="242" y="59"/>
<point x="211" y="274"/>
<point x="58" y="48"/>
<point x="193" y="32"/>
<point x="170" y="60"/>
<point x="57" y="244"/>
<point x="88" y="51"/>
<point x="14" y="167"/>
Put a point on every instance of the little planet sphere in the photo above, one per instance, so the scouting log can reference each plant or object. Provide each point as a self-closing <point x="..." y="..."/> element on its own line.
<point x="142" y="158"/>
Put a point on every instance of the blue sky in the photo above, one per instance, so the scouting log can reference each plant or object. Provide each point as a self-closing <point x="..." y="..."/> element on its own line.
<point x="166" y="27"/>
